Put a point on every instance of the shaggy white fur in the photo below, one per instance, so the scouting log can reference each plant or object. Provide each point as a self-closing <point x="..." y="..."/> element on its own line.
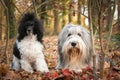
<point x="74" y="47"/>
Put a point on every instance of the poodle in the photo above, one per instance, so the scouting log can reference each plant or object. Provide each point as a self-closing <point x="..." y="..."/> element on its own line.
<point x="27" y="51"/>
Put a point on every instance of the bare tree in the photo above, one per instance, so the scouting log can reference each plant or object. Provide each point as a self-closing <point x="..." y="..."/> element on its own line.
<point x="7" y="37"/>
<point x="34" y="7"/>
<point x="1" y="20"/>
<point x="12" y="20"/>
<point x="56" y="22"/>
<point x="70" y="12"/>
<point x="79" y="12"/>
<point x="118" y="14"/>
<point x="102" y="12"/>
<point x="92" y="39"/>
<point x="43" y="9"/>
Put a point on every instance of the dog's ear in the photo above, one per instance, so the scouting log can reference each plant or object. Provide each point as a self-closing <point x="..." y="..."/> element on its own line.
<point x="21" y="32"/>
<point x="38" y="29"/>
<point x="63" y="34"/>
<point x="61" y="57"/>
<point x="86" y="37"/>
<point x="87" y="40"/>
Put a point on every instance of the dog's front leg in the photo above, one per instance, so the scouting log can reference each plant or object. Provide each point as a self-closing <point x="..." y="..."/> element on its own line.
<point x="41" y="65"/>
<point x="26" y="66"/>
<point x="16" y="63"/>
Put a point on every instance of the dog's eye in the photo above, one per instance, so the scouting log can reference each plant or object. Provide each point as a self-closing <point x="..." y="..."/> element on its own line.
<point x="79" y="34"/>
<point x="69" y="35"/>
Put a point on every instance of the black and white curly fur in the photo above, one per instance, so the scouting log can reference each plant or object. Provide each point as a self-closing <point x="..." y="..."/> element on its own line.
<point x="27" y="52"/>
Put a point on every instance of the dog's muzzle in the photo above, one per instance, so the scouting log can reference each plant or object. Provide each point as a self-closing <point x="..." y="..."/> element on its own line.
<point x="74" y="49"/>
<point x="29" y="31"/>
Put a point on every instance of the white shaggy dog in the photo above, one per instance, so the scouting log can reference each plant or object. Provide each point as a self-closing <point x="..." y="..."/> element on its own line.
<point x="74" y="48"/>
<point x="27" y="52"/>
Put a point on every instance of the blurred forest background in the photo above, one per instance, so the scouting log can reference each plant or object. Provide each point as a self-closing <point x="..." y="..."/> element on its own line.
<point x="56" y="13"/>
<point x="101" y="17"/>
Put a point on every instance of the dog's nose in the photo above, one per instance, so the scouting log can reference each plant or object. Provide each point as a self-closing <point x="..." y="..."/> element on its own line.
<point x="29" y="30"/>
<point x="73" y="44"/>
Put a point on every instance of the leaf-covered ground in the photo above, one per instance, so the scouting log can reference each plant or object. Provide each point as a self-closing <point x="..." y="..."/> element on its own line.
<point x="50" y="51"/>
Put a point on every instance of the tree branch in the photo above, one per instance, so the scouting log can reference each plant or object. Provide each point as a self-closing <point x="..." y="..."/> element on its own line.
<point x="100" y="25"/>
<point x="43" y="3"/>
<point x="34" y="6"/>
<point x="110" y="26"/>
<point x="17" y="8"/>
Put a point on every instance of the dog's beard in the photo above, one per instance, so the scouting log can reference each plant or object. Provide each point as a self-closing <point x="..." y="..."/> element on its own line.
<point x="74" y="54"/>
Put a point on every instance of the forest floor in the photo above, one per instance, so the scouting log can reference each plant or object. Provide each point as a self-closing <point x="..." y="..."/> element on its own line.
<point x="111" y="71"/>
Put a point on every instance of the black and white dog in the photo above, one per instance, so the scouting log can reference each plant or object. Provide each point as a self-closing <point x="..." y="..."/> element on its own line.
<point x="74" y="48"/>
<point x="27" y="52"/>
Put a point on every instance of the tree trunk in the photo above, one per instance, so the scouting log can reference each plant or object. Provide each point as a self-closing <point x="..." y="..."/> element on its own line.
<point x="92" y="39"/>
<point x="119" y="15"/>
<point x="12" y="21"/>
<point x="109" y="13"/>
<point x="94" y="11"/>
<point x="64" y="12"/>
<point x="63" y="19"/>
<point x="43" y="9"/>
<point x="34" y="6"/>
<point x="109" y="25"/>
<point x="7" y="22"/>
<point x="56" y="22"/>
<point x="79" y="13"/>
<point x="69" y="13"/>
<point x="1" y="21"/>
